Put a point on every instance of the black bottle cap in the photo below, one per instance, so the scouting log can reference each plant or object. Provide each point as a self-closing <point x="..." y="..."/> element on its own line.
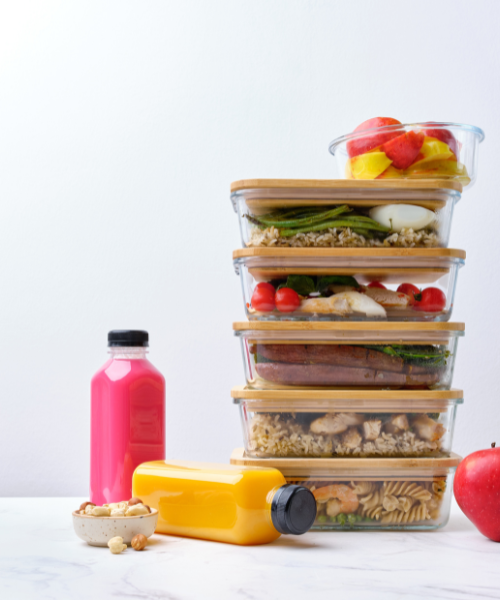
<point x="128" y="337"/>
<point x="293" y="509"/>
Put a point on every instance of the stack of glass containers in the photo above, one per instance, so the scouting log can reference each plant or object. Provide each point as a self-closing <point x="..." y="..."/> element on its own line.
<point x="348" y="288"/>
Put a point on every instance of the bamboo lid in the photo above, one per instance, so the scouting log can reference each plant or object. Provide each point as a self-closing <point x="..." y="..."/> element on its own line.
<point x="381" y="326"/>
<point x="244" y="393"/>
<point x="347" y="184"/>
<point x="353" y="253"/>
<point x="372" y="465"/>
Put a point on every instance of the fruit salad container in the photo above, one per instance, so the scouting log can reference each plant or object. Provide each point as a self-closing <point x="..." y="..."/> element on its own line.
<point x="368" y="493"/>
<point x="384" y="148"/>
<point x="347" y="423"/>
<point x="349" y="355"/>
<point x="348" y="284"/>
<point x="294" y="213"/>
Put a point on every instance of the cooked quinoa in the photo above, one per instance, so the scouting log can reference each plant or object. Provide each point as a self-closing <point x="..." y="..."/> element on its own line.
<point x="343" y="237"/>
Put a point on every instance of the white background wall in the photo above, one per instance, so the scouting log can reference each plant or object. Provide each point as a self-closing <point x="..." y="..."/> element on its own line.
<point x="122" y="125"/>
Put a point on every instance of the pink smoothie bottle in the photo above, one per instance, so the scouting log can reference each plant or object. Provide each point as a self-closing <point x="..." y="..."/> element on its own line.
<point x="127" y="417"/>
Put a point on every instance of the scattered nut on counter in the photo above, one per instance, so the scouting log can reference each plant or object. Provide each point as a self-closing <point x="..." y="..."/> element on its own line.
<point x="116" y="545"/>
<point x="139" y="542"/>
<point x="131" y="508"/>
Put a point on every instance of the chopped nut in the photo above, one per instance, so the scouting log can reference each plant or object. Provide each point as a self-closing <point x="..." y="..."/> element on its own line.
<point x="134" y="501"/>
<point x="118" y="512"/>
<point x="101" y="511"/>
<point x="89" y="508"/>
<point x="137" y="510"/>
<point x="148" y="507"/>
<point x="139" y="542"/>
<point x="84" y="505"/>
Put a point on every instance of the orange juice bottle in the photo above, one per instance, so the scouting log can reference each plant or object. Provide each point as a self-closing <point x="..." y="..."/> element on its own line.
<point x="225" y="503"/>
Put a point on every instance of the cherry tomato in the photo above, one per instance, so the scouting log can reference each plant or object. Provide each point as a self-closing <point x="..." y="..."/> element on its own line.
<point x="431" y="300"/>
<point x="287" y="300"/>
<point x="263" y="297"/>
<point x="377" y="284"/>
<point x="410" y="290"/>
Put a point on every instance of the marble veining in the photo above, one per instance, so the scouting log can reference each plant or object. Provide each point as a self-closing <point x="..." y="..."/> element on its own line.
<point x="41" y="558"/>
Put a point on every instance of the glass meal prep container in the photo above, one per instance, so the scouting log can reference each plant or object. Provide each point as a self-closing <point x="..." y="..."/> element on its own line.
<point x="348" y="284"/>
<point x="369" y="493"/>
<point x="319" y="213"/>
<point x="347" y="423"/>
<point x="409" y="151"/>
<point x="348" y="355"/>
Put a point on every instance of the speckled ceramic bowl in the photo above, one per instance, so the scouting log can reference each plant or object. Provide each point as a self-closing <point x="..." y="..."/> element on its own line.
<point x="96" y="531"/>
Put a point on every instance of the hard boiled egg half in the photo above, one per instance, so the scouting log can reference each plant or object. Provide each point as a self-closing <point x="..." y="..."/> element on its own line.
<point x="402" y="216"/>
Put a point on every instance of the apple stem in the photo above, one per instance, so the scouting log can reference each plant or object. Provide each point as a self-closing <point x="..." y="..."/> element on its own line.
<point x="493" y="444"/>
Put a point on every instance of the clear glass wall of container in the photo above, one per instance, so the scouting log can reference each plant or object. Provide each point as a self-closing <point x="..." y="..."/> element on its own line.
<point x="400" y="494"/>
<point x="348" y="355"/>
<point x="343" y="284"/>
<point x="294" y="213"/>
<point x="341" y="423"/>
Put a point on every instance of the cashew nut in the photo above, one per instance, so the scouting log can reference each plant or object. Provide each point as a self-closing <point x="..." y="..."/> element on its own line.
<point x="116" y="545"/>
<point x="137" y="510"/>
<point x="117" y="548"/>
<point x="101" y="511"/>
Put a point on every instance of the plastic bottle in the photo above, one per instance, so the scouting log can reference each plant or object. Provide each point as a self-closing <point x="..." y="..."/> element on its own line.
<point x="225" y="503"/>
<point x="127" y="416"/>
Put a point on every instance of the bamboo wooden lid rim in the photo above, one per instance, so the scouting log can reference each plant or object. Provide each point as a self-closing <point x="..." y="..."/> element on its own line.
<point x="348" y="184"/>
<point x="238" y="457"/>
<point x="244" y="393"/>
<point x="423" y="253"/>
<point x="414" y="326"/>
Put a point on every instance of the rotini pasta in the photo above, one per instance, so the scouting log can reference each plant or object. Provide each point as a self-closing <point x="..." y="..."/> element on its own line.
<point x="361" y="488"/>
<point x="370" y="513"/>
<point x="372" y="499"/>
<point x="406" y="488"/>
<point x="419" y="512"/>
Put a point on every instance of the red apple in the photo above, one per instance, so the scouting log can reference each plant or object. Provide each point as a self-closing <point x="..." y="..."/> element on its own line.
<point x="372" y="140"/>
<point x="477" y="490"/>
<point x="404" y="149"/>
<point x="443" y="135"/>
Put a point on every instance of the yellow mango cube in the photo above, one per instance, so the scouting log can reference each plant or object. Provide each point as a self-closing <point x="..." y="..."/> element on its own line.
<point x="369" y="165"/>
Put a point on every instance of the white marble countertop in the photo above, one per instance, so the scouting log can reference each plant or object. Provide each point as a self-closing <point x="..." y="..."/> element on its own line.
<point x="41" y="558"/>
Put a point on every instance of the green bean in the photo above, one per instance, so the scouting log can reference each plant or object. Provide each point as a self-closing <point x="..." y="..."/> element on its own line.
<point x="336" y="223"/>
<point x="364" y="232"/>
<point x="304" y="220"/>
